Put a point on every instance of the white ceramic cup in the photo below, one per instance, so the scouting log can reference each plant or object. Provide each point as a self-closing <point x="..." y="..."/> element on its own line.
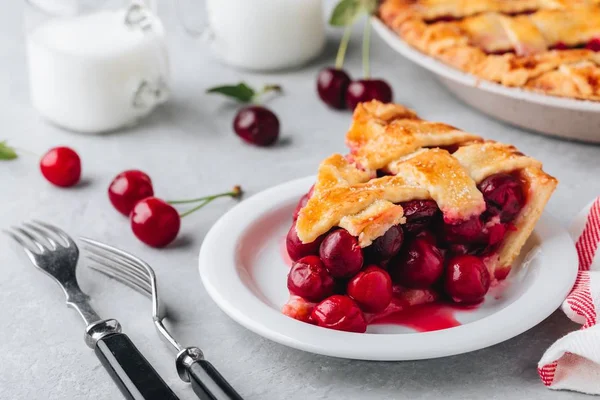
<point x="265" y="34"/>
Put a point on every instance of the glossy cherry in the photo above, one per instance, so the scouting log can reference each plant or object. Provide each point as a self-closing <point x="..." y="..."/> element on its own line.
<point x="593" y="44"/>
<point x="385" y="247"/>
<point x="341" y="254"/>
<point x="332" y="84"/>
<point x="128" y="188"/>
<point x="366" y="90"/>
<point x="155" y="222"/>
<point x="466" y="279"/>
<point x="471" y="231"/>
<point x="419" y="214"/>
<point x="341" y="313"/>
<point x="309" y="279"/>
<point x="420" y="265"/>
<point x="371" y="288"/>
<point x="503" y="194"/>
<point x="257" y="125"/>
<point x="61" y="166"/>
<point x="296" y="249"/>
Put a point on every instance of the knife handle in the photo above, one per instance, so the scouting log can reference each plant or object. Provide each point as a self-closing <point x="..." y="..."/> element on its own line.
<point x="130" y="370"/>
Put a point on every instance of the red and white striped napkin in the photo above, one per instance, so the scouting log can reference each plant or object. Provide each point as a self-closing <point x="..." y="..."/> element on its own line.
<point x="573" y="362"/>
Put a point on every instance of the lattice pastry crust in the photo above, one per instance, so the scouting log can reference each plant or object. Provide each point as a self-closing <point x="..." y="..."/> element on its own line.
<point x="523" y="43"/>
<point x="392" y="138"/>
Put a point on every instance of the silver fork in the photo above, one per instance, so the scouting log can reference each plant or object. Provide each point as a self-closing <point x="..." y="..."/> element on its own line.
<point x="53" y="252"/>
<point x="207" y="382"/>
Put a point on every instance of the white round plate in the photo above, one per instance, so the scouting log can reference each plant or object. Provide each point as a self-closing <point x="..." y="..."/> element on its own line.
<point x="563" y="117"/>
<point x="243" y="270"/>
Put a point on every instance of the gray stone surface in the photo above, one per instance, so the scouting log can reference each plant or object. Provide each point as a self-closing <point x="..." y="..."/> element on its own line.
<point x="188" y="148"/>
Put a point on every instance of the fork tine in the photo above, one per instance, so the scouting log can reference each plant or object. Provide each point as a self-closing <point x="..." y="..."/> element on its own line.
<point x="57" y="231"/>
<point x="121" y="263"/>
<point x="119" y="266"/>
<point x="41" y="235"/>
<point x="127" y="258"/>
<point x="122" y="276"/>
<point x="30" y="237"/>
<point x="26" y="246"/>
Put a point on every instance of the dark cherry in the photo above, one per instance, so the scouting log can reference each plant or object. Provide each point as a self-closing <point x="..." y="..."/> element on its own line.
<point x="503" y="194"/>
<point x="593" y="44"/>
<point x="366" y="90"/>
<point x="560" y="46"/>
<point x="332" y="84"/>
<point x="302" y="202"/>
<point x="61" y="166"/>
<point x="296" y="249"/>
<point x="419" y="214"/>
<point x="257" y="125"/>
<point x="309" y="279"/>
<point x="466" y="279"/>
<point x="128" y="188"/>
<point x="155" y="222"/>
<point x="385" y="247"/>
<point x="428" y="236"/>
<point x="467" y="232"/>
<point x="341" y="254"/>
<point x="371" y="288"/>
<point x="340" y="313"/>
<point x="419" y="266"/>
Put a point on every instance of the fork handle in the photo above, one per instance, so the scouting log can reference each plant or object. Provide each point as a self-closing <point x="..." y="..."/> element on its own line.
<point x="208" y="383"/>
<point x="130" y="370"/>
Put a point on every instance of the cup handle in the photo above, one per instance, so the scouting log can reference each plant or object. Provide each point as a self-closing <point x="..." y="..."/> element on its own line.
<point x="204" y="31"/>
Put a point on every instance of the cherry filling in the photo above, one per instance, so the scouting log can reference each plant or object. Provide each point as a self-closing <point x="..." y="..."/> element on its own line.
<point x="308" y="278"/>
<point x="340" y="313"/>
<point x="419" y="214"/>
<point x="419" y="266"/>
<point x="424" y="254"/>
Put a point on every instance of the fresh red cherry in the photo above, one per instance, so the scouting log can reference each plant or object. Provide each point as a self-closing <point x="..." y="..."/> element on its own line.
<point x="296" y="249"/>
<point x="593" y="44"/>
<point x="366" y="90"/>
<point x="341" y="254"/>
<point x="61" y="166"/>
<point x="385" y="247"/>
<point x="308" y="278"/>
<point x="470" y="231"/>
<point x="371" y="288"/>
<point x="420" y="265"/>
<point x="303" y="201"/>
<point x="332" y="84"/>
<point x="257" y="125"/>
<point x="128" y="188"/>
<point x="340" y="313"/>
<point x="155" y="222"/>
<point x="466" y="280"/>
<point x="503" y="194"/>
<point x="419" y="214"/>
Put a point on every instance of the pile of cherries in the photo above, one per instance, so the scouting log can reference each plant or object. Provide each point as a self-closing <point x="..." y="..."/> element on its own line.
<point x="346" y="281"/>
<point x="338" y="91"/>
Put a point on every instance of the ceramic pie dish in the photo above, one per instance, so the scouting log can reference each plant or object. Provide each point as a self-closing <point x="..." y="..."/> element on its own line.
<point x="557" y="116"/>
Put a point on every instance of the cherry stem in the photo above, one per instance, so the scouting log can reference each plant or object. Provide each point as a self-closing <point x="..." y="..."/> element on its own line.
<point x="341" y="54"/>
<point x="365" y="48"/>
<point x="236" y="192"/>
<point x="266" y="89"/>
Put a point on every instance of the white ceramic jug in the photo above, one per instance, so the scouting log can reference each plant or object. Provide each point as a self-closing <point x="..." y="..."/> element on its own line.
<point x="95" y="66"/>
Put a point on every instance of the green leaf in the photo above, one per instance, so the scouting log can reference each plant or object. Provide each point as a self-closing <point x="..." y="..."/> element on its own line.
<point x="7" y="152"/>
<point x="240" y="92"/>
<point x="346" y="12"/>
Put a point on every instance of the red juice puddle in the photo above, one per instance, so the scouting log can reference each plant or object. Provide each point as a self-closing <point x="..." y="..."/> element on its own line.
<point x="284" y="253"/>
<point x="425" y="317"/>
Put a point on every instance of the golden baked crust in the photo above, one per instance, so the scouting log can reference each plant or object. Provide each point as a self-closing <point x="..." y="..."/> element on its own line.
<point x="512" y="42"/>
<point x="426" y="161"/>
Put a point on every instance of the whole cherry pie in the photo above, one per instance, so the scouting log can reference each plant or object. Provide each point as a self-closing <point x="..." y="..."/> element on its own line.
<point x="549" y="46"/>
<point x="418" y="211"/>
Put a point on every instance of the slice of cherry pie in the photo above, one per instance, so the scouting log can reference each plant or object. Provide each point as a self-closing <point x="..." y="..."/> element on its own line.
<point x="416" y="212"/>
<point x="549" y="46"/>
